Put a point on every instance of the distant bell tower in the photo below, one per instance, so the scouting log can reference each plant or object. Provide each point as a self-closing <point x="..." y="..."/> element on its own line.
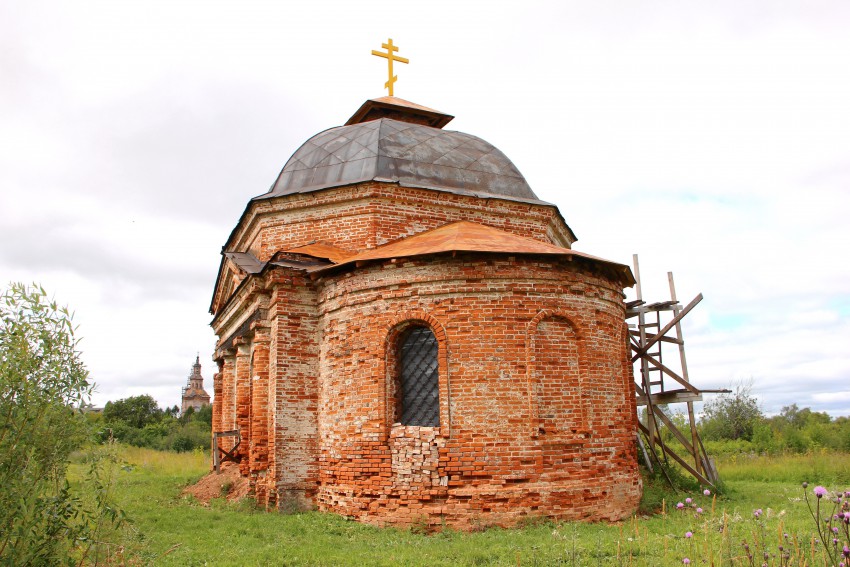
<point x="194" y="395"/>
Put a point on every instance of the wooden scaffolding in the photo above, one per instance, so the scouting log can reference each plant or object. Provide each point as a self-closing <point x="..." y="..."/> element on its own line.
<point x="658" y="386"/>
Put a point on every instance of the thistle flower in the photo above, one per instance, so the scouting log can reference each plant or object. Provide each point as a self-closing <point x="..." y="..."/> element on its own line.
<point x="820" y="491"/>
<point x="706" y="492"/>
<point x="686" y="561"/>
<point x="757" y="513"/>
<point x="688" y="500"/>
<point x="699" y="510"/>
<point x="679" y="506"/>
<point x="689" y="535"/>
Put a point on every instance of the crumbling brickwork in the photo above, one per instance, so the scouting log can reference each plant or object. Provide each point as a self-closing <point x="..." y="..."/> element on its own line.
<point x="534" y="389"/>
<point x="513" y="441"/>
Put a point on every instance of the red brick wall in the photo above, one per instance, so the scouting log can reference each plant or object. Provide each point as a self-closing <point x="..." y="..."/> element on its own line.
<point x="293" y="474"/>
<point x="555" y="374"/>
<point x="258" y="455"/>
<point x="537" y="413"/>
<point x="371" y="214"/>
<point x="227" y="417"/>
<point x="489" y="461"/>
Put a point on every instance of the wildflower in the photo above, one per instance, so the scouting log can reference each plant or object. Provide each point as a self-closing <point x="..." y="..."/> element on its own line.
<point x="758" y="513"/>
<point x="820" y="491"/>
<point x="805" y="485"/>
<point x="688" y="500"/>
<point x="686" y="561"/>
<point x="699" y="510"/>
<point x="846" y="551"/>
<point x="706" y="492"/>
<point x="689" y="535"/>
<point x="835" y="530"/>
<point x="679" y="506"/>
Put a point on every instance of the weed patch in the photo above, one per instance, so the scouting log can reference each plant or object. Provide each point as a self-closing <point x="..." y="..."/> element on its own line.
<point x="180" y="532"/>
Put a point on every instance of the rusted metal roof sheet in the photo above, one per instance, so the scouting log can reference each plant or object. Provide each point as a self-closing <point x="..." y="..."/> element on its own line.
<point x="400" y="152"/>
<point x="465" y="236"/>
<point x="246" y="261"/>
<point x="322" y="250"/>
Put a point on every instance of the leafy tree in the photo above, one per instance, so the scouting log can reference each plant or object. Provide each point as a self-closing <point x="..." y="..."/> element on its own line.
<point x="204" y="415"/>
<point x="187" y="415"/>
<point x="796" y="418"/>
<point x="731" y="416"/>
<point x="135" y="411"/>
<point x="42" y="381"/>
<point x="139" y="421"/>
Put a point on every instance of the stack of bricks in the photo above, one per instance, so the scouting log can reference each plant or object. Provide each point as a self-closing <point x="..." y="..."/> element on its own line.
<point x="416" y="456"/>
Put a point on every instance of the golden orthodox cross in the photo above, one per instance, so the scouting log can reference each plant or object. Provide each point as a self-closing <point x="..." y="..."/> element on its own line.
<point x="390" y="56"/>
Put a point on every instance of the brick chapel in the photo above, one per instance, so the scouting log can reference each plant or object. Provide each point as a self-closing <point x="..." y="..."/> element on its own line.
<point x="406" y="336"/>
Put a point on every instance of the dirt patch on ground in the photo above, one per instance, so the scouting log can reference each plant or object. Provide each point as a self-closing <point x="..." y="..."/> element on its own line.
<point x="226" y="484"/>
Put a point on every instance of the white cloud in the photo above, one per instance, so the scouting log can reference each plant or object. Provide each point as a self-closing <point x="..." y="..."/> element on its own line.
<point x="711" y="138"/>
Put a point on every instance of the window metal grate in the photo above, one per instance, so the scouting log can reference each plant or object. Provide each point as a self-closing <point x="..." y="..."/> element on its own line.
<point x="419" y="379"/>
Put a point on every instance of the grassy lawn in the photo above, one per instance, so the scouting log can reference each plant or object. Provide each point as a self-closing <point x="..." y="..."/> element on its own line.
<point x="173" y="530"/>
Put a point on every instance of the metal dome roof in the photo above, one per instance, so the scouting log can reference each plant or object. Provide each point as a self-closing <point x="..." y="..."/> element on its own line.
<point x="413" y="155"/>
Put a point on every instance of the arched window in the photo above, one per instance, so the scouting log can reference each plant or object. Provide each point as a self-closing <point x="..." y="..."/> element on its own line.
<point x="557" y="375"/>
<point x="419" y="377"/>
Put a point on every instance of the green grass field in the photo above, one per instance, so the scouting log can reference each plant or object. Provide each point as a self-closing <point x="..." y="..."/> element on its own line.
<point x="169" y="529"/>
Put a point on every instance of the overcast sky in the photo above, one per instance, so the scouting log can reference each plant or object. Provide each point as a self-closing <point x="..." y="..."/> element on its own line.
<point x="710" y="138"/>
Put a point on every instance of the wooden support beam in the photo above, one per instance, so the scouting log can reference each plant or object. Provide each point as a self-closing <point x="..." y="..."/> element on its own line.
<point x="674" y="430"/>
<point x="672" y="374"/>
<point x="643" y="451"/>
<point x="670" y="397"/>
<point x="662" y="339"/>
<point x="669" y="452"/>
<point x="650" y="342"/>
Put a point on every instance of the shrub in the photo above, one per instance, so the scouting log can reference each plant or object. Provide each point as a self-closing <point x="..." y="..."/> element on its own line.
<point x="731" y="416"/>
<point x="42" y="382"/>
<point x="135" y="411"/>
